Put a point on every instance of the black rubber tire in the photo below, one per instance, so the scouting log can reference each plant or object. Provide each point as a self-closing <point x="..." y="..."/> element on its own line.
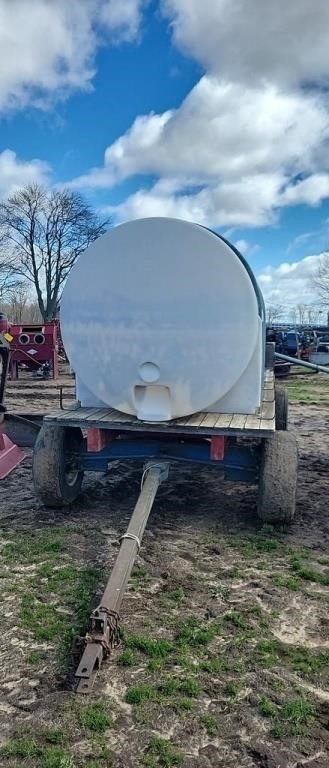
<point x="52" y="483"/>
<point x="281" y="408"/>
<point x="278" y="478"/>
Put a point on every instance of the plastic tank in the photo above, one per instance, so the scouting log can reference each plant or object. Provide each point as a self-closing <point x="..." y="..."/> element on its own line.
<point x="162" y="318"/>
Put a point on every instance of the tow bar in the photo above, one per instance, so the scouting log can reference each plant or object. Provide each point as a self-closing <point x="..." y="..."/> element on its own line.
<point x="103" y="633"/>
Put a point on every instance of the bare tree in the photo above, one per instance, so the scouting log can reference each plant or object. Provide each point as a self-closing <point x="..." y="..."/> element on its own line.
<point x="17" y="304"/>
<point x="320" y="279"/>
<point x="301" y="310"/>
<point x="274" y="312"/>
<point x="43" y="234"/>
<point x="293" y="315"/>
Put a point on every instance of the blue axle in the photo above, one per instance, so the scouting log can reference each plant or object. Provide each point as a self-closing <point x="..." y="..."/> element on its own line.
<point x="240" y="462"/>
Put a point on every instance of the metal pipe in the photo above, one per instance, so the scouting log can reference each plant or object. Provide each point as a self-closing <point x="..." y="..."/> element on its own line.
<point x="303" y="363"/>
<point x="104" y="621"/>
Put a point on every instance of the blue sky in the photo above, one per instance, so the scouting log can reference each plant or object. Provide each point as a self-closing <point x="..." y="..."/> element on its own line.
<point x="178" y="107"/>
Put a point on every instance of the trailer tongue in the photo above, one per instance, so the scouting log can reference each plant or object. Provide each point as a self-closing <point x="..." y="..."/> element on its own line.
<point x="103" y="633"/>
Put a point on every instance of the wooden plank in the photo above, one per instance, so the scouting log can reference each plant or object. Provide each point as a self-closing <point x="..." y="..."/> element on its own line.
<point x="209" y="420"/>
<point x="268" y="396"/>
<point x="267" y="425"/>
<point x="224" y="420"/>
<point x="114" y="417"/>
<point x="252" y="422"/>
<point x="99" y="414"/>
<point x="79" y="414"/>
<point x="238" y="421"/>
<point x="195" y="420"/>
<point x="268" y="410"/>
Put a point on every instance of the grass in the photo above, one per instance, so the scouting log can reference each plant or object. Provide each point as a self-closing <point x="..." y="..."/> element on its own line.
<point x="175" y="595"/>
<point x="162" y="753"/>
<point x="54" y="736"/>
<point x="126" y="658"/>
<point x="292" y="718"/>
<point x="308" y="573"/>
<point x="24" y="747"/>
<point x="232" y="689"/>
<point x="192" y="633"/>
<point x="35" y="657"/>
<point x="289" y="582"/>
<point x="27" y="748"/>
<point x="94" y="717"/>
<point x="34" y="546"/>
<point x="56" y="757"/>
<point x="169" y="691"/>
<point x="156" y="649"/>
<point x="237" y="619"/>
<point x="75" y="588"/>
<point x="270" y="652"/>
<point x="210" y="723"/>
<point x="315" y="389"/>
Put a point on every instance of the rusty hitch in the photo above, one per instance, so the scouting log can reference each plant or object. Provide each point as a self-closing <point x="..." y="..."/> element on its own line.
<point x="103" y="633"/>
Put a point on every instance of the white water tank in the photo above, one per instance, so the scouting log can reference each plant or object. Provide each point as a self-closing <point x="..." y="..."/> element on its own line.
<point x="163" y="318"/>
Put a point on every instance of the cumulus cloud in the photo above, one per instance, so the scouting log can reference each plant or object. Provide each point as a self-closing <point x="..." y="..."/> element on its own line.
<point x="47" y="49"/>
<point x="253" y="40"/>
<point x="15" y="173"/>
<point x="247" y="202"/>
<point x="230" y="153"/>
<point x="290" y="282"/>
<point x="221" y="130"/>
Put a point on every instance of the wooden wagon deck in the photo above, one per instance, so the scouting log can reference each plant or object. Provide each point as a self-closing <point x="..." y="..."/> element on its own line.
<point x="206" y="424"/>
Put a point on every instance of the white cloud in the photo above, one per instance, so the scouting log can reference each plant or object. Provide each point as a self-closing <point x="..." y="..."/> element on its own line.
<point x="255" y="40"/>
<point x="226" y="155"/>
<point x="245" y="202"/>
<point x="47" y="47"/>
<point x="221" y="131"/>
<point x="123" y="17"/>
<point x="15" y="173"/>
<point x="290" y="282"/>
<point x="310" y="190"/>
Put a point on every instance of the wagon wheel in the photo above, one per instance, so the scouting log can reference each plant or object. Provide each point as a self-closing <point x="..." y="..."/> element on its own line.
<point x="278" y="478"/>
<point x="281" y="408"/>
<point x="56" y="475"/>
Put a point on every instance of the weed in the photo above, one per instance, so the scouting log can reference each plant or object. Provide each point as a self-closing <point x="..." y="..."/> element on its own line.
<point x="307" y="573"/>
<point x="162" y="753"/>
<point x="236" y="618"/>
<point x="95" y="717"/>
<point x="35" y="657"/>
<point x="213" y="666"/>
<point x="176" y="595"/>
<point x="126" y="658"/>
<point x="289" y="582"/>
<point x="55" y="757"/>
<point x="41" y="619"/>
<point x="188" y="687"/>
<point x="193" y="633"/>
<point x="210" y="724"/>
<point x="139" y="693"/>
<point x="54" y="736"/>
<point x="323" y="560"/>
<point x="266" y="707"/>
<point x="220" y="591"/>
<point x="154" y="648"/>
<point x="24" y="747"/>
<point x="293" y="718"/>
<point x="34" y="546"/>
<point x="232" y="689"/>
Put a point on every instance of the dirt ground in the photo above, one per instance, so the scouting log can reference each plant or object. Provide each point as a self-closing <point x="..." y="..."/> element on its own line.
<point x="224" y="659"/>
